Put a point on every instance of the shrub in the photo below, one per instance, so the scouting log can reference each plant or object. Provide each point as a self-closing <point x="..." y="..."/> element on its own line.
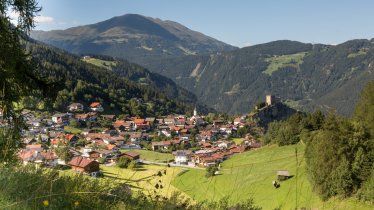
<point x="211" y="170"/>
<point x="123" y="162"/>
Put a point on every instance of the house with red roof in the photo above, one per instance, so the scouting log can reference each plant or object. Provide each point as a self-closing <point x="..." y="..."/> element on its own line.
<point x="96" y="107"/>
<point x="84" y="165"/>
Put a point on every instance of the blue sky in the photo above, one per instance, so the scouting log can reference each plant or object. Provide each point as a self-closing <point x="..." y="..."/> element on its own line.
<point x="237" y="22"/>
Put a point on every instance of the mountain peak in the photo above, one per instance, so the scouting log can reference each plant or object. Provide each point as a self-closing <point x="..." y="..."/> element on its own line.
<point x="134" y="37"/>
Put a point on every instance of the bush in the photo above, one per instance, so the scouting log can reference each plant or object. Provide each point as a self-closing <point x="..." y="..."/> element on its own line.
<point x="366" y="193"/>
<point x="211" y="170"/>
<point x="123" y="162"/>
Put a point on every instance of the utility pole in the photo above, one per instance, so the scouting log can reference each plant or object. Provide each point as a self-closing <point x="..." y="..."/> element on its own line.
<point x="297" y="166"/>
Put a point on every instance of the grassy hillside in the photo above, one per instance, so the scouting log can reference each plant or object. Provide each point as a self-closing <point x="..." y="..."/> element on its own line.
<point x="100" y="63"/>
<point x="251" y="174"/>
<point x="144" y="178"/>
<point x="278" y="62"/>
<point x="154" y="156"/>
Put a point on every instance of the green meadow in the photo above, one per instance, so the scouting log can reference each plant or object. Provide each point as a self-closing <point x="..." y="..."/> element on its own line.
<point x="250" y="175"/>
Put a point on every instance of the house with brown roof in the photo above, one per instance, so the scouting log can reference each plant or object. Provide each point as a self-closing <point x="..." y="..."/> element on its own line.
<point x="60" y="118"/>
<point x="36" y="147"/>
<point x="132" y="155"/>
<point x="84" y="165"/>
<point x="164" y="145"/>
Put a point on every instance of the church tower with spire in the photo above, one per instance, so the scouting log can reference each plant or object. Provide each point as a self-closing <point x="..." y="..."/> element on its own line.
<point x="195" y="112"/>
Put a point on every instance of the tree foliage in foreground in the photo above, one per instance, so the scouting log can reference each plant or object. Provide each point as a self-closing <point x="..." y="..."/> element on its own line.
<point x="31" y="188"/>
<point x="16" y="71"/>
<point x="339" y="157"/>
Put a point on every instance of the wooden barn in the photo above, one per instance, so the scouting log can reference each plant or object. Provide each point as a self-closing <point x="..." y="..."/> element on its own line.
<point x="84" y="165"/>
<point x="283" y="175"/>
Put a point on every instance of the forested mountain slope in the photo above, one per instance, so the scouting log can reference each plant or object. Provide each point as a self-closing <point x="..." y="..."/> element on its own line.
<point x="120" y="89"/>
<point x="308" y="76"/>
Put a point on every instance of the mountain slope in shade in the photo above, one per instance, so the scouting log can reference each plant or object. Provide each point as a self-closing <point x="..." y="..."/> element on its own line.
<point x="133" y="37"/>
<point x="308" y="76"/>
<point x="123" y="87"/>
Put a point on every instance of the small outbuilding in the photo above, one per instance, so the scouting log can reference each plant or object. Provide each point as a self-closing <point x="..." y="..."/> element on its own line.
<point x="81" y="164"/>
<point x="132" y="155"/>
<point x="283" y="175"/>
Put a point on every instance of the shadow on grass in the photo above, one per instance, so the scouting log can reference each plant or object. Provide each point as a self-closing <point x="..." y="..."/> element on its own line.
<point x="117" y="178"/>
<point x="139" y="169"/>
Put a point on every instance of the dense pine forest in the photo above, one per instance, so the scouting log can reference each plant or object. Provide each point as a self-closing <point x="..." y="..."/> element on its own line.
<point x="72" y="80"/>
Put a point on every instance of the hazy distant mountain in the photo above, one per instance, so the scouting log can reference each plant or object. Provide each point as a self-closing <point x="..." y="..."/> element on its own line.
<point x="133" y="37"/>
<point x="309" y="76"/>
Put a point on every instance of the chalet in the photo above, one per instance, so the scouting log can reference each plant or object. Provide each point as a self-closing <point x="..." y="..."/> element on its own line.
<point x="132" y="155"/>
<point x="114" y="140"/>
<point x="182" y="156"/>
<point x="130" y="146"/>
<point x="206" y="135"/>
<point x="223" y="144"/>
<point x="218" y="123"/>
<point x="94" y="155"/>
<point x="35" y="147"/>
<point x="93" y="136"/>
<point x="169" y="121"/>
<point x="180" y="123"/>
<point x="139" y="121"/>
<point x="72" y="138"/>
<point x="49" y="158"/>
<point x="165" y="132"/>
<point x="136" y="136"/>
<point x="112" y="147"/>
<point x="164" y="145"/>
<point x="81" y="117"/>
<point x="85" y="132"/>
<point x="86" y="151"/>
<point x="30" y="156"/>
<point x="84" y="165"/>
<point x="121" y="125"/>
<point x="211" y="160"/>
<point x="75" y="107"/>
<point x="111" y="132"/>
<point x="96" y="107"/>
<point x="150" y="120"/>
<point x="60" y="118"/>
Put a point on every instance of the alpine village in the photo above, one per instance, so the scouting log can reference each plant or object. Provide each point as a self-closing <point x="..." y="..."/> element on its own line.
<point x="135" y="112"/>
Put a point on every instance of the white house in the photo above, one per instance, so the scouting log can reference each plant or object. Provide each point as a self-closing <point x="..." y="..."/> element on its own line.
<point x="182" y="156"/>
<point x="75" y="107"/>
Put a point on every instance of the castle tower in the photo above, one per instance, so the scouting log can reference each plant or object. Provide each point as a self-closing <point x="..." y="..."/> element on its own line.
<point x="270" y="100"/>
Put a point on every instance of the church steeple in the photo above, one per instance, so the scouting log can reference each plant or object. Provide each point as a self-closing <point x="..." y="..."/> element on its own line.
<point x="195" y="112"/>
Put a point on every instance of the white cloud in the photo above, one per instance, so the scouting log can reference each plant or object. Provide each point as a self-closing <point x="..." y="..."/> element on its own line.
<point x="38" y="19"/>
<point x="14" y="15"/>
<point x="44" y="19"/>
